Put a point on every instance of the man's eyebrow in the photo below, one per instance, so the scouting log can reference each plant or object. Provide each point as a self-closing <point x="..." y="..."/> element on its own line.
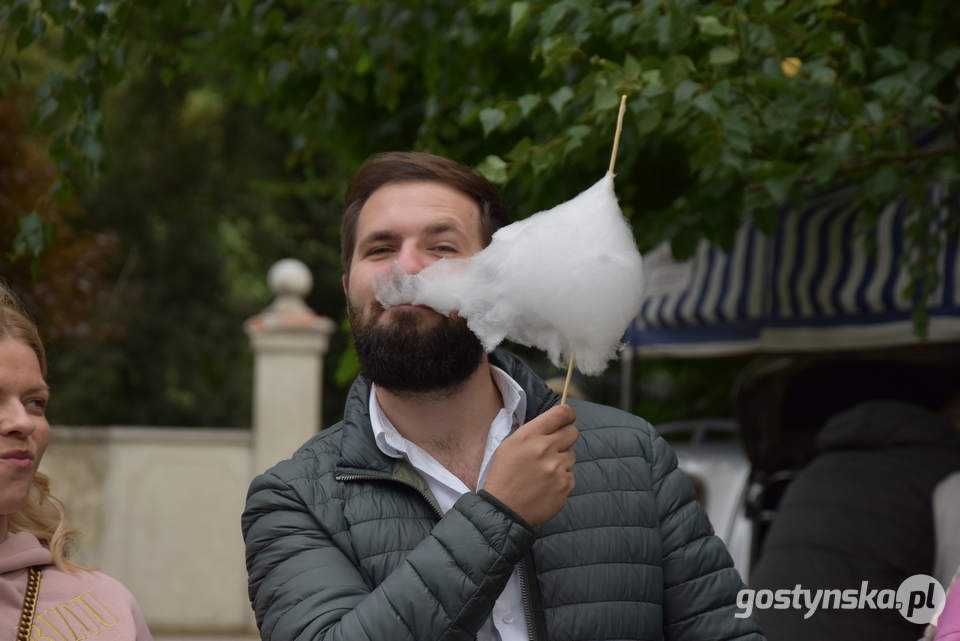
<point x="38" y="389"/>
<point x="442" y="228"/>
<point x="377" y="237"/>
<point x="434" y="229"/>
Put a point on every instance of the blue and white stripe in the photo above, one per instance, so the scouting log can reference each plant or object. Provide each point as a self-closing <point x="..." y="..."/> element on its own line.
<point x="814" y="285"/>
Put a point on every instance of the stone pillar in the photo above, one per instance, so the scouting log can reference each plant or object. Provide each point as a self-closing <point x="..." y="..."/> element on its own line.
<point x="289" y="341"/>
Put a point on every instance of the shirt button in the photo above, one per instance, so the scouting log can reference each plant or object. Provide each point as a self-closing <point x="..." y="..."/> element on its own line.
<point x="508" y="618"/>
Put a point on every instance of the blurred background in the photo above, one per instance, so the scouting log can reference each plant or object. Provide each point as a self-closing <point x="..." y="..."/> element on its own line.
<point x="158" y="158"/>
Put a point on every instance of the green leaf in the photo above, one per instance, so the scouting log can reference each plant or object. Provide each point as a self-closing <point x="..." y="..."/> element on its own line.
<point x="491" y="118"/>
<point x="880" y="184"/>
<point x="722" y="56"/>
<point x="364" y="64"/>
<point x="527" y="102"/>
<point x="706" y="103"/>
<point x="243" y="7"/>
<point x="47" y="109"/>
<point x="577" y="133"/>
<point x="894" y="57"/>
<point x="676" y="69"/>
<point x="494" y="169"/>
<point x="648" y="120"/>
<point x="560" y="98"/>
<point x="606" y="99"/>
<point x="685" y="91"/>
<point x="631" y="68"/>
<point x="278" y="72"/>
<point x="948" y="58"/>
<point x="652" y="81"/>
<point x="551" y="17"/>
<point x="874" y="111"/>
<point x="781" y="181"/>
<point x="94" y="151"/>
<point x="711" y="26"/>
<point x="542" y="160"/>
<point x="32" y="235"/>
<point x="519" y="16"/>
<point x="521" y="150"/>
<point x="348" y="366"/>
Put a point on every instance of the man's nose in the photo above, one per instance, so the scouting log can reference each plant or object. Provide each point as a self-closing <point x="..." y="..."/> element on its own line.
<point x="412" y="260"/>
<point x="15" y="420"/>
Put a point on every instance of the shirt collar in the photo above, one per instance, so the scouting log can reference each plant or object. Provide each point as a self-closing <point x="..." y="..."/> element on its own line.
<point x="393" y="444"/>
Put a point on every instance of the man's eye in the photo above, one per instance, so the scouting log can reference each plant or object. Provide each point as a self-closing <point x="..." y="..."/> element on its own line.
<point x="445" y="248"/>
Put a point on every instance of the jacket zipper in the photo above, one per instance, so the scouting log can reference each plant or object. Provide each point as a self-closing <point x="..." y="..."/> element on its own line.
<point x="525" y="592"/>
<point x="370" y="477"/>
<point x="526" y="565"/>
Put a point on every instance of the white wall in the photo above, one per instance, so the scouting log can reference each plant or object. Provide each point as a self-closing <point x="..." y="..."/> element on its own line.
<point x="159" y="509"/>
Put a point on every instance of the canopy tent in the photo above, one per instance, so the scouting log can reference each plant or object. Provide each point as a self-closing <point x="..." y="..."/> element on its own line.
<point x="814" y="286"/>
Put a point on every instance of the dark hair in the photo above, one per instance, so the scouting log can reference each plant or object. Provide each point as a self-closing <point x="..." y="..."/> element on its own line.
<point x="398" y="166"/>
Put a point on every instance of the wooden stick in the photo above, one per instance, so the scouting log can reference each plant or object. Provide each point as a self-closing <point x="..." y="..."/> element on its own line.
<point x="566" y="385"/>
<point x="613" y="161"/>
<point x="616" y="136"/>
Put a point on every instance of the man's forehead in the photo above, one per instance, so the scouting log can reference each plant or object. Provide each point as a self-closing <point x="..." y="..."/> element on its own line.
<point x="431" y="206"/>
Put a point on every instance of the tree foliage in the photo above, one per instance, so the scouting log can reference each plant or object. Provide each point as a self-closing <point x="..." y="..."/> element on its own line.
<point x="736" y="108"/>
<point x="529" y="90"/>
<point x="70" y="300"/>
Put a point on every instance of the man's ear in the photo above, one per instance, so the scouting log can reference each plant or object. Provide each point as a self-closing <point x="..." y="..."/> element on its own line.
<point x="345" y="292"/>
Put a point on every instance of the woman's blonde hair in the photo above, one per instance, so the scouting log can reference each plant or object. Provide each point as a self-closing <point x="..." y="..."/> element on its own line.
<point x="43" y="515"/>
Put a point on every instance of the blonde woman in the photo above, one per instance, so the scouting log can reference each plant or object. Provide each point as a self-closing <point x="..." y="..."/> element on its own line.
<point x="42" y="593"/>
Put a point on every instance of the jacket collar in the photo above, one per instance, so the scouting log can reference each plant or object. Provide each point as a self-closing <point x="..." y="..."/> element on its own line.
<point x="359" y="453"/>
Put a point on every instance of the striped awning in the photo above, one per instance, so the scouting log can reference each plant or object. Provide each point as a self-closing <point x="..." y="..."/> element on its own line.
<point x="815" y="285"/>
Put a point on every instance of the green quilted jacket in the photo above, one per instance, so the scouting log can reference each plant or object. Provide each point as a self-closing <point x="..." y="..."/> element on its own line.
<point x="345" y="543"/>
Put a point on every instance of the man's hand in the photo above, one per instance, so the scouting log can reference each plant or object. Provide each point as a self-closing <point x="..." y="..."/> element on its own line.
<point x="530" y="472"/>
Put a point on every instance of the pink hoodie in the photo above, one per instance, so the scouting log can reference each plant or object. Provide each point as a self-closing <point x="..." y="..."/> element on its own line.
<point x="948" y="623"/>
<point x="70" y="607"/>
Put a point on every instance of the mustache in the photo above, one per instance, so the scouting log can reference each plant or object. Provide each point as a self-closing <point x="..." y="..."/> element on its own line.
<point x="397" y="287"/>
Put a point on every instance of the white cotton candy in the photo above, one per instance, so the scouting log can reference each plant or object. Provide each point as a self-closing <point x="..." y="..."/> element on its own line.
<point x="566" y="280"/>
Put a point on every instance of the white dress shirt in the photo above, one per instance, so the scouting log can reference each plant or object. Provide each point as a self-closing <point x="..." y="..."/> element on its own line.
<point x="507" y="622"/>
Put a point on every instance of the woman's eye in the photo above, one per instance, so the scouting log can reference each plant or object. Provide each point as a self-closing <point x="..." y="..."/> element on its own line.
<point x="37" y="404"/>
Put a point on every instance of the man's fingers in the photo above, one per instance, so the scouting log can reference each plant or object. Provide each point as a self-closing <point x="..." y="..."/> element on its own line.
<point x="553" y="419"/>
<point x="566" y="437"/>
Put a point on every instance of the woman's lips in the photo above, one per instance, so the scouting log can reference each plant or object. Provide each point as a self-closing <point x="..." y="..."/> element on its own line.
<point x="17" y="458"/>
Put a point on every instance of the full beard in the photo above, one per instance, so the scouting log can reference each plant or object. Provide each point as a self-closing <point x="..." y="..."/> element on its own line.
<point x="413" y="361"/>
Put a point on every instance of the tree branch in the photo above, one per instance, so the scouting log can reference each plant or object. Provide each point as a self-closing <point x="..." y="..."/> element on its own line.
<point x="873" y="164"/>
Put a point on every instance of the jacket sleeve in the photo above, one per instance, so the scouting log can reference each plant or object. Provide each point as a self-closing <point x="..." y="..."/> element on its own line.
<point x="303" y="586"/>
<point x="699" y="581"/>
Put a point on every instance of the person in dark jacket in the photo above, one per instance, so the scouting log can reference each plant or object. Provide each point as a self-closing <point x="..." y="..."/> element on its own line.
<point x="456" y="499"/>
<point x="861" y="511"/>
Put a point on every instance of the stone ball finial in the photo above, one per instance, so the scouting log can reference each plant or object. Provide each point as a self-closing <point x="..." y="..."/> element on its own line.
<point x="288" y="277"/>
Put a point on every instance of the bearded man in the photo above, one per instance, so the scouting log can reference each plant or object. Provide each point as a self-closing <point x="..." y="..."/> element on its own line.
<point x="456" y="499"/>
